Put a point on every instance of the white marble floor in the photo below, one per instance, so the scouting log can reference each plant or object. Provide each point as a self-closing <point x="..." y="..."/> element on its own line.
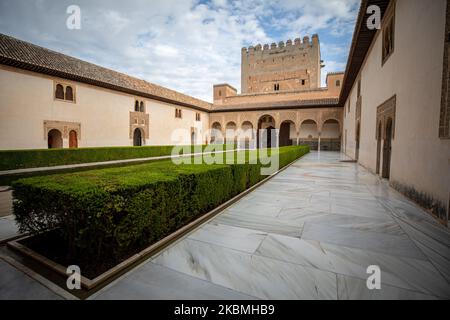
<point x="308" y="233"/>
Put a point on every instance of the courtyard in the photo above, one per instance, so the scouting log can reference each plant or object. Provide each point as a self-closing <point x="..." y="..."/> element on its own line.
<point x="310" y="232"/>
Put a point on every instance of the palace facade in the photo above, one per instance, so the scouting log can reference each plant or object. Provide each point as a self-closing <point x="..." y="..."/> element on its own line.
<point x="389" y="110"/>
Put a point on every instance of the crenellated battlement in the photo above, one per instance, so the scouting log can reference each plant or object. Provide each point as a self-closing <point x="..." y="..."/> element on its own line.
<point x="286" y="65"/>
<point x="280" y="46"/>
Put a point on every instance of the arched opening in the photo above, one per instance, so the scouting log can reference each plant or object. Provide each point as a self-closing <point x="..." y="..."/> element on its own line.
<point x="379" y="137"/>
<point x="193" y="138"/>
<point x="54" y="139"/>
<point x="136" y="106"/>
<point x="357" y="137"/>
<point x="69" y="93"/>
<point x="59" y="92"/>
<point x="331" y="136"/>
<point x="309" y="134"/>
<point x="247" y="136"/>
<point x="266" y="132"/>
<point x="231" y="133"/>
<point x="287" y="133"/>
<point x="387" y="148"/>
<point x="137" y="137"/>
<point x="141" y="107"/>
<point x="216" y="133"/>
<point x="73" y="139"/>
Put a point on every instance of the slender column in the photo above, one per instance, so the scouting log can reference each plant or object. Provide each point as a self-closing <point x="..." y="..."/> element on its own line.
<point x="318" y="144"/>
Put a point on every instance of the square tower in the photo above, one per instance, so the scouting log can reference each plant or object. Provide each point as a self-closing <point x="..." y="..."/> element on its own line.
<point x="282" y="67"/>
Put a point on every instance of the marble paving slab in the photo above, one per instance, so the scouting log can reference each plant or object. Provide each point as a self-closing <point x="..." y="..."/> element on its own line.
<point x="154" y="282"/>
<point x="264" y="224"/>
<point x="407" y="273"/>
<point x="378" y="242"/>
<point x="302" y="216"/>
<point x="242" y="239"/>
<point x="252" y="275"/>
<point x="16" y="285"/>
<point x="8" y="228"/>
<point x="350" y="288"/>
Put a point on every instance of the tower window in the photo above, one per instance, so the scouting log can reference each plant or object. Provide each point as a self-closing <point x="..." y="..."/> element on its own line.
<point x="178" y="113"/>
<point x="338" y="83"/>
<point x="141" y="106"/>
<point x="197" y="116"/>
<point x="136" y="106"/>
<point x="276" y="87"/>
<point x="303" y="82"/>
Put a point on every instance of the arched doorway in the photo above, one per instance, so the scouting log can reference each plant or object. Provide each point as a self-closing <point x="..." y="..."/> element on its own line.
<point x="73" y="139"/>
<point x="331" y="136"/>
<point x="357" y="137"/>
<point x="309" y="134"/>
<point x="231" y="133"/>
<point x="266" y="132"/>
<point x="379" y="136"/>
<point x="137" y="137"/>
<point x="287" y="133"/>
<point x="387" y="148"/>
<point x="193" y="138"/>
<point x="54" y="139"/>
<point x="216" y="133"/>
<point x="247" y="136"/>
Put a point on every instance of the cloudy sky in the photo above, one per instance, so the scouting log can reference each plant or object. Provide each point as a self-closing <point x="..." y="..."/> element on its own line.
<point x="186" y="45"/>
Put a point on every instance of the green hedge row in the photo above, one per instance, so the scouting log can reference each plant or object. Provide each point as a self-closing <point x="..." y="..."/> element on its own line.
<point x="20" y="159"/>
<point x="108" y="212"/>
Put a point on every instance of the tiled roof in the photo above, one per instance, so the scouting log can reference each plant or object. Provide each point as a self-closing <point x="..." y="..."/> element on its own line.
<point x="291" y="104"/>
<point x="361" y="43"/>
<point x="24" y="55"/>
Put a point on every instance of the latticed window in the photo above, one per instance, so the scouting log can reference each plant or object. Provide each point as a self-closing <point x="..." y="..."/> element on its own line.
<point x="69" y="93"/>
<point x="64" y="92"/>
<point x="59" y="92"/>
<point x="388" y="38"/>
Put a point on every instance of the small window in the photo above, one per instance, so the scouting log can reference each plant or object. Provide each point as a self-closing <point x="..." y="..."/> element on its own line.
<point x="59" y="92"/>
<point x="359" y="88"/>
<point x="349" y="105"/>
<point x="220" y="93"/>
<point x="178" y="113"/>
<point x="136" y="106"/>
<point x="142" y="107"/>
<point x="338" y="83"/>
<point x="197" y="116"/>
<point x="303" y="82"/>
<point x="388" y="38"/>
<point x="276" y="87"/>
<point x="69" y="93"/>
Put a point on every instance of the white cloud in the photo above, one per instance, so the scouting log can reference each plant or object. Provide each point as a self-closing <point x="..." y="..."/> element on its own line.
<point x="184" y="45"/>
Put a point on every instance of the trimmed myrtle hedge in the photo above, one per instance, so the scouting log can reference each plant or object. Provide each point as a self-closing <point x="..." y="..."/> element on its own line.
<point x="21" y="159"/>
<point x="108" y="212"/>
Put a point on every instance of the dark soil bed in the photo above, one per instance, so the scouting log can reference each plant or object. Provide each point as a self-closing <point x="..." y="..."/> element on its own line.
<point x="53" y="247"/>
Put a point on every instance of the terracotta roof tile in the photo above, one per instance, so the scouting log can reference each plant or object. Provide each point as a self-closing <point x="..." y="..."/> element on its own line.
<point x="24" y="55"/>
<point x="291" y="104"/>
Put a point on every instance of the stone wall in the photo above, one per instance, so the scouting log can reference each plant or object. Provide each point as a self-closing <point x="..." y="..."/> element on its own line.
<point x="292" y="65"/>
